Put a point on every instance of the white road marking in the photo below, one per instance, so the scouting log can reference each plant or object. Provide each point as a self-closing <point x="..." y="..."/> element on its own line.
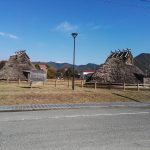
<point x="71" y="116"/>
<point x="95" y="115"/>
<point x="100" y="106"/>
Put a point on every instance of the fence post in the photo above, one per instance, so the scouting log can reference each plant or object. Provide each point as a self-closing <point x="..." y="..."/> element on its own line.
<point x="109" y="86"/>
<point x="124" y="86"/>
<point x="8" y="80"/>
<point x="138" y="87"/>
<point x="68" y="83"/>
<point x="95" y="85"/>
<point x="55" y="83"/>
<point x="19" y="81"/>
<point x="30" y="84"/>
<point x="81" y="84"/>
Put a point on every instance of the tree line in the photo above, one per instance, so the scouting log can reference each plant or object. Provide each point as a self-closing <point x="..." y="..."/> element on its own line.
<point x="63" y="73"/>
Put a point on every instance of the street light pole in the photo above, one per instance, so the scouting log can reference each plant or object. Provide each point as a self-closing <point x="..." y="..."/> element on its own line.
<point x="74" y="35"/>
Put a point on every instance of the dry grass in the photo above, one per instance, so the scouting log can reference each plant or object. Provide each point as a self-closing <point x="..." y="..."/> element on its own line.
<point x="12" y="94"/>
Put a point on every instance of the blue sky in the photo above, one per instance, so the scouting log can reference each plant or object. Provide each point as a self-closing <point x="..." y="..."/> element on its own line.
<point x="44" y="27"/>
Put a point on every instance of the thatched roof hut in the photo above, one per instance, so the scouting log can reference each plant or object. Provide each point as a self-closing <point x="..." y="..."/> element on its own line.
<point x="118" y="68"/>
<point x="14" y="68"/>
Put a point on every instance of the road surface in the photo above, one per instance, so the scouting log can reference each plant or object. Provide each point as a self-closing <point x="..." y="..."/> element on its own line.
<point x="112" y="128"/>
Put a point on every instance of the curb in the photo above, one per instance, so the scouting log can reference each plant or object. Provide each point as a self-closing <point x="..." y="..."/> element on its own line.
<point x="35" y="107"/>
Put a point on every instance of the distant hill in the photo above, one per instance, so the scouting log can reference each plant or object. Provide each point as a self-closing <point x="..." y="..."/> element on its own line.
<point x="143" y="62"/>
<point x="58" y="65"/>
<point x="89" y="66"/>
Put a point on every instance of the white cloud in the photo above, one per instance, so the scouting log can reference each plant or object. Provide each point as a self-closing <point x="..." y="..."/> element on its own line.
<point x="8" y="35"/>
<point x="94" y="26"/>
<point x="12" y="36"/>
<point x="59" y="62"/>
<point x="66" y="27"/>
<point x="2" y="34"/>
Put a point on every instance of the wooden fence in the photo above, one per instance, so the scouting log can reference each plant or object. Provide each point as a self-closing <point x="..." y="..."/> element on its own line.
<point x="82" y="83"/>
<point x="123" y="86"/>
<point x="68" y="83"/>
<point x="49" y="82"/>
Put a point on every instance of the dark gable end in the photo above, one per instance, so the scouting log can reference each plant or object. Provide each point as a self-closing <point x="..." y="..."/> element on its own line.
<point x="2" y="64"/>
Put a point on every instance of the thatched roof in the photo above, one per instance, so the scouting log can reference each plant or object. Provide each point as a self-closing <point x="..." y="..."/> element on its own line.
<point x="118" y="68"/>
<point x="13" y="68"/>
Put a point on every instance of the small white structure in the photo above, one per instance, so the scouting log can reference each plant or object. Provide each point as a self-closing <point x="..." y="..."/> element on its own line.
<point x="86" y="73"/>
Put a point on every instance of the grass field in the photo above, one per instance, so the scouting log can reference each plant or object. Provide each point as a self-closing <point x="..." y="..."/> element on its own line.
<point x="12" y="94"/>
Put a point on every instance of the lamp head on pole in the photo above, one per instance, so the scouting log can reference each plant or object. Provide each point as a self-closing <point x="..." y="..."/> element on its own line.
<point x="74" y="35"/>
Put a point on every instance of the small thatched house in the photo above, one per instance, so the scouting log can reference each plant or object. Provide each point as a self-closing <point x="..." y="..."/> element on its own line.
<point x="17" y="67"/>
<point x="118" y="68"/>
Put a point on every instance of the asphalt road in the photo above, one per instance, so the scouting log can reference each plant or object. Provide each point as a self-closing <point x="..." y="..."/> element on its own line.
<point x="117" y="128"/>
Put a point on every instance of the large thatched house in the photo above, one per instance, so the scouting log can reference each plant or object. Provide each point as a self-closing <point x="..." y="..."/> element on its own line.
<point x="17" y="67"/>
<point x="118" y="68"/>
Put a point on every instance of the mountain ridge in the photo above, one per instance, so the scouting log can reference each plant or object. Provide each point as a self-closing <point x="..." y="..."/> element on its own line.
<point x="58" y="66"/>
<point x="143" y="62"/>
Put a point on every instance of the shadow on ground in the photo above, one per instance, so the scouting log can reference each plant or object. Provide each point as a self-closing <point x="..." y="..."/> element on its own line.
<point x="129" y="98"/>
<point x="28" y="87"/>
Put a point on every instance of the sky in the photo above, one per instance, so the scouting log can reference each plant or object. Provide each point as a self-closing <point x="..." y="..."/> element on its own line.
<point x="43" y="28"/>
